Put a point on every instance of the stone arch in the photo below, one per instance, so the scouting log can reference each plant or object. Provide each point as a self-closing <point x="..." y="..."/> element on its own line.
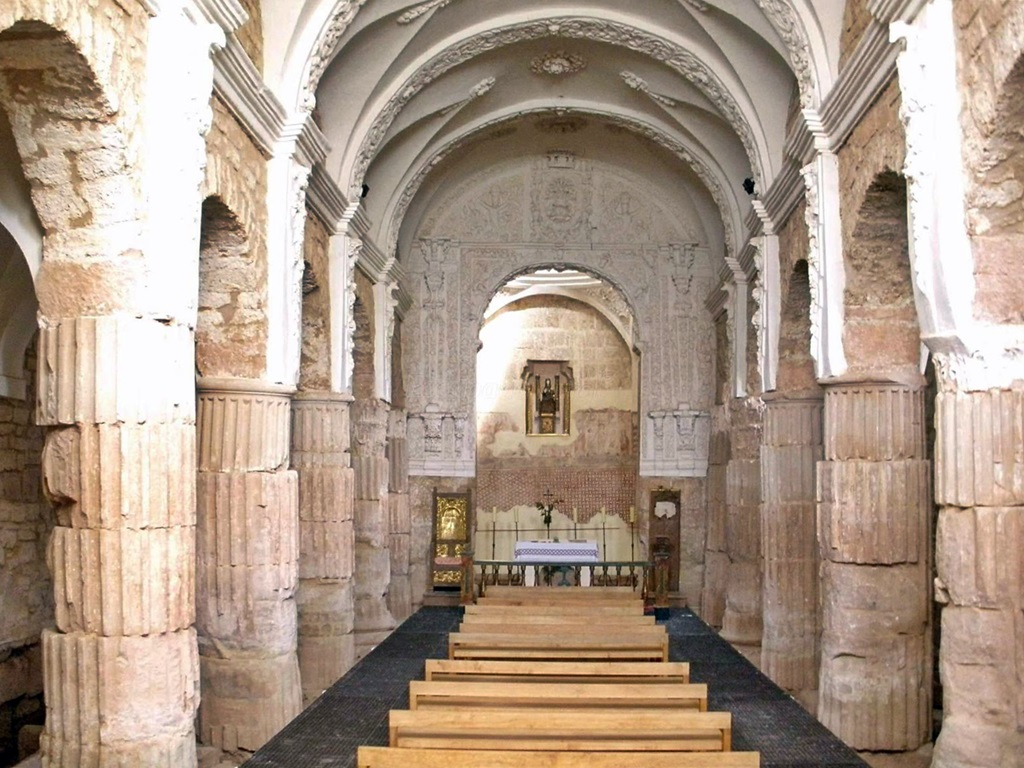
<point x="618" y="298"/>
<point x="232" y="323"/>
<point x="881" y="334"/>
<point x="76" y="158"/>
<point x="796" y="365"/>
<point x="995" y="211"/>
<point x="18" y="306"/>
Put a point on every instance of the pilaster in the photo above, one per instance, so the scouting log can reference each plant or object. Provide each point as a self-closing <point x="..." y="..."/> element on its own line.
<point x="874" y="508"/>
<point x="247" y="548"/>
<point x="791" y="446"/>
<point x="320" y="456"/>
<point x="399" y="518"/>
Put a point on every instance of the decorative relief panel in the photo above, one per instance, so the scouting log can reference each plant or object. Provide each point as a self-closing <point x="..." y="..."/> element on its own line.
<point x="660" y="287"/>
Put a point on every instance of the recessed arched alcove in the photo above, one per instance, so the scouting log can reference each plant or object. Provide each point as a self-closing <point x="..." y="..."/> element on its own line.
<point x="551" y="338"/>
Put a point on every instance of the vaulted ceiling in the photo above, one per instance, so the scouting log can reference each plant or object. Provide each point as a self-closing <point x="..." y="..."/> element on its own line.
<point x="695" y="95"/>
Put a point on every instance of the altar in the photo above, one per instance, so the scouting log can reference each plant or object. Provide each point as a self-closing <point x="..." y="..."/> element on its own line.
<point x="546" y="551"/>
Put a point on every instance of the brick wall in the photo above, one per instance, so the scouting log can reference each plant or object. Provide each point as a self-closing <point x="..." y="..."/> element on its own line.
<point x="250" y="34"/>
<point x="856" y="18"/>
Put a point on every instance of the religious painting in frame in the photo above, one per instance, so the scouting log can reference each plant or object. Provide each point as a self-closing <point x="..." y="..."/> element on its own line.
<point x="451" y="532"/>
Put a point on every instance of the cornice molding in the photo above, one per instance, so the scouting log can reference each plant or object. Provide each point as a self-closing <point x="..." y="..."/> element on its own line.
<point x="238" y="83"/>
<point x="229" y="15"/>
<point x="325" y="198"/>
<point x="870" y="70"/>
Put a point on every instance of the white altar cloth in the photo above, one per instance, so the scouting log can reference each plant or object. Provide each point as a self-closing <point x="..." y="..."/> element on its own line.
<point x="547" y="551"/>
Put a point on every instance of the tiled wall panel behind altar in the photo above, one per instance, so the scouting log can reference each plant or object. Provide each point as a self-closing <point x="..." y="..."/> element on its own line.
<point x="587" y="488"/>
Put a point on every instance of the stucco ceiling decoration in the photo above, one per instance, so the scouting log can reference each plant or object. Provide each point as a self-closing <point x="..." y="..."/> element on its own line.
<point x="784" y="19"/>
<point x="640" y="85"/>
<point x="326" y="47"/>
<point x="475" y="92"/>
<point x="420" y="10"/>
<point x="731" y="222"/>
<point x="682" y="61"/>
<point x="558" y="64"/>
<point x="561" y="124"/>
<point x="698" y="5"/>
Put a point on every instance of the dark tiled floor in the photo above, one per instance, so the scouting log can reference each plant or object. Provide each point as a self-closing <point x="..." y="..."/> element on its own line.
<point x="354" y="710"/>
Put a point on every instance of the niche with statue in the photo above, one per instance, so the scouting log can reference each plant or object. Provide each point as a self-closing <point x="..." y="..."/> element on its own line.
<point x="548" y="384"/>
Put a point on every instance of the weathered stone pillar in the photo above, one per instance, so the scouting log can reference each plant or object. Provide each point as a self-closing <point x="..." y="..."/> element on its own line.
<point x="741" y="622"/>
<point x="326" y="606"/>
<point x="121" y="672"/>
<point x="874" y="507"/>
<point x="979" y="482"/>
<point x="716" y="559"/>
<point x="373" y="621"/>
<point x="247" y="549"/>
<point x="791" y="446"/>
<point x="400" y="531"/>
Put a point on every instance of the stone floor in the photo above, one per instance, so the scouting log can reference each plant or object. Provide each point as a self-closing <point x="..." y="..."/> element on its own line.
<point x="355" y="710"/>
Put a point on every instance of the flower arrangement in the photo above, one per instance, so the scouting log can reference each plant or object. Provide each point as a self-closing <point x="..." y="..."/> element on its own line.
<point x="545" y="513"/>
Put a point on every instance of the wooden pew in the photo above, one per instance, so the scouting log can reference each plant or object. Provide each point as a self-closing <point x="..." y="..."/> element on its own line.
<point x="528" y="599"/>
<point x="620" y="646"/>
<point x="391" y="757"/>
<point x="552" y="729"/>
<point x="614" y="626"/>
<point x="572" y="619"/>
<point x="625" y="608"/>
<point x="472" y="670"/>
<point x="582" y="698"/>
<point x="564" y="593"/>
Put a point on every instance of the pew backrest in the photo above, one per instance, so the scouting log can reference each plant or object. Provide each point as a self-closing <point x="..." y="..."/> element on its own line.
<point x="558" y="671"/>
<point x="391" y="757"/>
<point x="582" y="697"/>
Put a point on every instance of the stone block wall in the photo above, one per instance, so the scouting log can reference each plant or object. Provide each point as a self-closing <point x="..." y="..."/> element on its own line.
<point x="26" y="603"/>
<point x="856" y="18"/>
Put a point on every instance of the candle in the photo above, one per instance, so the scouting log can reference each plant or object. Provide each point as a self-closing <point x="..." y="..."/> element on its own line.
<point x="494" y="515"/>
<point x="515" y="514"/>
<point x="575" y="516"/>
<point x="604" y="515"/>
<point x="632" y="515"/>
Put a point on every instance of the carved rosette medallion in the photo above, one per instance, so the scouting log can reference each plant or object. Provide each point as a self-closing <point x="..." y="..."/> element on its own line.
<point x="558" y="64"/>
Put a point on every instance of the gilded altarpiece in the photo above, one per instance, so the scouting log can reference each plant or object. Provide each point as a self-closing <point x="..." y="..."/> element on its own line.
<point x="451" y="538"/>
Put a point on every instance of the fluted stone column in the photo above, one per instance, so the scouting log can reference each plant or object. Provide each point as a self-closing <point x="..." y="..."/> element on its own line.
<point x="400" y="521"/>
<point x="741" y="622"/>
<point x="373" y="620"/>
<point x="874" y="507"/>
<point x="979" y="483"/>
<point x="325" y="597"/>
<point x="791" y="446"/>
<point x="121" y="671"/>
<point x="247" y="550"/>
<point x="716" y="558"/>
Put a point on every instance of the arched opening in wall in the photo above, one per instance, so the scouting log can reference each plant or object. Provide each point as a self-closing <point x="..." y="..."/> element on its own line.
<point x="231" y="324"/>
<point x="995" y="211"/>
<point x="796" y="366"/>
<point x="556" y="409"/>
<point x="881" y="334"/>
<point x="26" y="519"/>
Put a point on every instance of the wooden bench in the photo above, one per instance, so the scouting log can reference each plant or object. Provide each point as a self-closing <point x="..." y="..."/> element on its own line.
<point x="574" y="619"/>
<point x="529" y="628"/>
<point x="533" y="601"/>
<point x="391" y="757"/>
<point x="553" y="729"/>
<point x="579" y="697"/>
<point x="621" y="646"/>
<point x="558" y="671"/>
<point x="626" y="608"/>
<point x="563" y="593"/>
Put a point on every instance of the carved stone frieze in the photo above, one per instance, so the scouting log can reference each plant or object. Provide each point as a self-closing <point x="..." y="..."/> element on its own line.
<point x="812" y="217"/>
<point x="677" y="58"/>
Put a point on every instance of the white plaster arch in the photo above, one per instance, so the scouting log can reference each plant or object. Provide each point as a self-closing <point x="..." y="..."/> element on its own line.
<point x="17" y="213"/>
<point x="18" y="307"/>
<point x="614" y="28"/>
<point x="704" y="166"/>
<point x="629" y="334"/>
